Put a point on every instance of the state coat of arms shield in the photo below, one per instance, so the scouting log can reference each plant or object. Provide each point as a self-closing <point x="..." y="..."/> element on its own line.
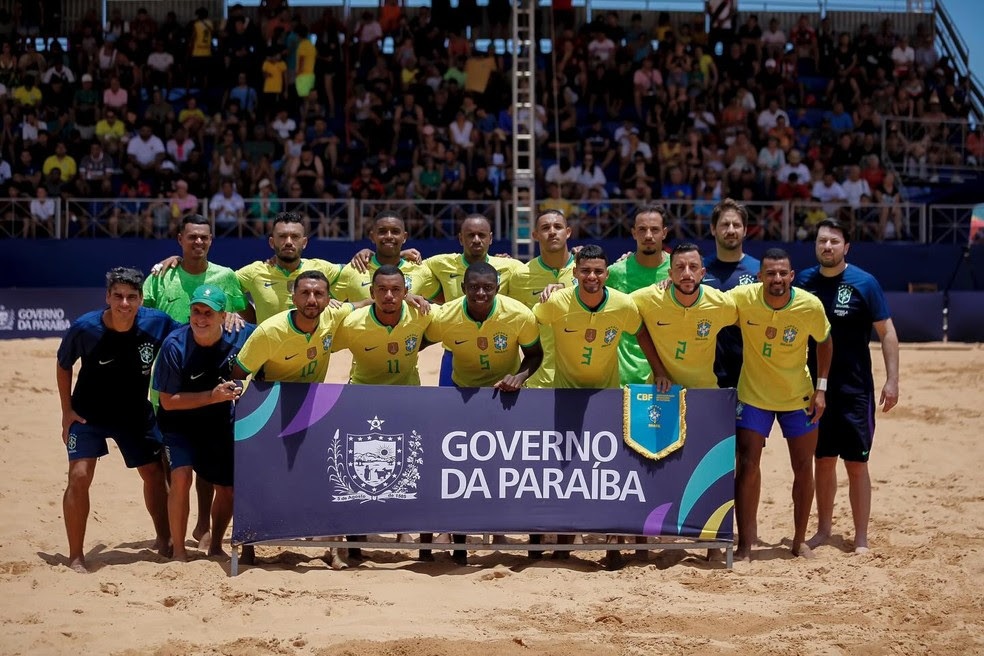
<point x="374" y="462"/>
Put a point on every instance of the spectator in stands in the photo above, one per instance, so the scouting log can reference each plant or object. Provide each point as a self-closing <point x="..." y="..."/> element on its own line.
<point x="794" y="165"/>
<point x="96" y="173"/>
<point x="43" y="212"/>
<point x="903" y="59"/>
<point x="228" y="208"/>
<point x="565" y="176"/>
<point x="601" y="50"/>
<point x="308" y="171"/>
<point x="27" y="174"/>
<point x="840" y="120"/>
<point x="27" y="94"/>
<point x="147" y="151"/>
<point x="159" y="67"/>
<point x="115" y="97"/>
<point x="888" y="195"/>
<point x="829" y="192"/>
<point x="774" y="40"/>
<point x="62" y="161"/>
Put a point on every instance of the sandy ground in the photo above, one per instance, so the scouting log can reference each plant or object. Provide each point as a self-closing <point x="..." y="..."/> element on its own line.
<point x="918" y="592"/>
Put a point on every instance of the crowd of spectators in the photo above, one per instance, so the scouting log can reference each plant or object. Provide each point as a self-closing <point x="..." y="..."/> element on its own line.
<point x="261" y="112"/>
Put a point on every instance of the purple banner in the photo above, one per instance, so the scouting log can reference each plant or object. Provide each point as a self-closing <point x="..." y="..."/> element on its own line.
<point x="45" y="312"/>
<point x="320" y="460"/>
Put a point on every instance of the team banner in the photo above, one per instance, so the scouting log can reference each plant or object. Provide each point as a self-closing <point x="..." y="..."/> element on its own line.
<point x="320" y="460"/>
<point x="45" y="312"/>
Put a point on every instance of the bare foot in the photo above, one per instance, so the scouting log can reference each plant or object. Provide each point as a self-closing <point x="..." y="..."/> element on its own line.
<point x="220" y="552"/>
<point x="821" y="537"/>
<point x="803" y="551"/>
<point x="715" y="554"/>
<point x="743" y="554"/>
<point x="78" y="565"/>
<point x="163" y="548"/>
<point x="198" y="533"/>
<point x="179" y="556"/>
<point x="861" y="550"/>
<point x="335" y="560"/>
<point x="204" y="540"/>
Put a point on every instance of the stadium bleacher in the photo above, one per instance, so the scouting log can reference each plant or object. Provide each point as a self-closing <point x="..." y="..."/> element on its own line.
<point x="129" y="125"/>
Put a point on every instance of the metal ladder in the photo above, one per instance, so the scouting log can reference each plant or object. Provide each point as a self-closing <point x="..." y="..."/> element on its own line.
<point x="524" y="124"/>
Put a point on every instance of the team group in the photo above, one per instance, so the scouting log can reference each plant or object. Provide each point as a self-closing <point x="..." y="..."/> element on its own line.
<point x="562" y="320"/>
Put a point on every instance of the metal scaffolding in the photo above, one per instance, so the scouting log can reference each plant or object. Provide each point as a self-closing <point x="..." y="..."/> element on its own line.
<point x="524" y="127"/>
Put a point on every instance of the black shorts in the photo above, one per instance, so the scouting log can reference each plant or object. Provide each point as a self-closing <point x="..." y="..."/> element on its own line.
<point x="847" y="427"/>
<point x="210" y="456"/>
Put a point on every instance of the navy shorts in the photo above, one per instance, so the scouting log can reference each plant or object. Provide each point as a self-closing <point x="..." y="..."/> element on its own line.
<point x="793" y="423"/>
<point x="847" y="427"/>
<point x="211" y="456"/>
<point x="446" y="368"/>
<point x="138" y="448"/>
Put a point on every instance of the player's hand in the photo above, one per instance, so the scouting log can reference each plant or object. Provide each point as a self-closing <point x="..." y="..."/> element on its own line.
<point x="512" y="383"/>
<point x="550" y="289"/>
<point x="662" y="383"/>
<point x="360" y="261"/>
<point x="576" y="249"/>
<point x="226" y="391"/>
<point x="334" y="303"/>
<point x="890" y="395"/>
<point x="233" y="322"/>
<point x="165" y="264"/>
<point x="817" y="405"/>
<point x="625" y="256"/>
<point x="69" y="418"/>
<point x="412" y="255"/>
<point x="664" y="284"/>
<point x="420" y="303"/>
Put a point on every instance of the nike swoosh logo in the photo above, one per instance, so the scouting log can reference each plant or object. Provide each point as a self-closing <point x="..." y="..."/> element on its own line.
<point x="269" y="284"/>
<point x="454" y="275"/>
<point x="288" y="357"/>
<point x="366" y="284"/>
<point x="457" y="342"/>
<point x="751" y="324"/>
<point x="567" y="330"/>
<point x="106" y="361"/>
<point x="537" y="293"/>
<point x="660" y="323"/>
<point x="369" y="348"/>
<point x="173" y="300"/>
<point x="197" y="376"/>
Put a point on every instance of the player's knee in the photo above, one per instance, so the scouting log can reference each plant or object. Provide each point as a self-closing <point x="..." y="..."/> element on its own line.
<point x="856" y="470"/>
<point x="153" y="473"/>
<point x="223" y="493"/>
<point x="181" y="478"/>
<point x="79" y="478"/>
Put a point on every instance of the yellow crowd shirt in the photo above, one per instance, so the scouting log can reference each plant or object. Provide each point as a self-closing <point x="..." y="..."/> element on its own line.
<point x="586" y="341"/>
<point x="484" y="352"/>
<point x="449" y="270"/>
<point x="686" y="337"/>
<point x="289" y="355"/>
<point x="202" y="38"/>
<point x="383" y="355"/>
<point x="526" y="285"/>
<point x="353" y="286"/>
<point x="272" y="286"/>
<point x="774" y="375"/>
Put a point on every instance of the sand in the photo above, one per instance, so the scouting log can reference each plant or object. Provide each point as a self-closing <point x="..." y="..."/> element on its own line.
<point x="918" y="592"/>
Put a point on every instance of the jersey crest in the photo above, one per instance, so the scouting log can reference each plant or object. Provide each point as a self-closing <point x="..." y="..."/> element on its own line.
<point x="703" y="328"/>
<point x="746" y="279"/>
<point x="590" y="334"/>
<point x="500" y="342"/>
<point x="483" y="343"/>
<point x="393" y="348"/>
<point x="146" y="352"/>
<point x="411" y="343"/>
<point x="610" y="334"/>
<point x="789" y="335"/>
<point x="771" y="332"/>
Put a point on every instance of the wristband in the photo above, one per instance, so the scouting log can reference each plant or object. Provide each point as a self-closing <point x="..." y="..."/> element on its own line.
<point x="821" y="384"/>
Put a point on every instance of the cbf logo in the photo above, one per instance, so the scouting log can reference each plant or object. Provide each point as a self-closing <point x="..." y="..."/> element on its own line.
<point x="326" y="343"/>
<point x="746" y="279"/>
<point x="411" y="344"/>
<point x="6" y="318"/>
<point x="789" y="334"/>
<point x="610" y="334"/>
<point x="409" y="282"/>
<point x="654" y="415"/>
<point x="374" y="466"/>
<point x="843" y="300"/>
<point x="703" y="329"/>
<point x="146" y="352"/>
<point x="500" y="342"/>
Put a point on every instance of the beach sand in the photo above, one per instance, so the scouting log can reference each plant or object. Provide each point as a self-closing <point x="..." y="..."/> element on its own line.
<point x="917" y="592"/>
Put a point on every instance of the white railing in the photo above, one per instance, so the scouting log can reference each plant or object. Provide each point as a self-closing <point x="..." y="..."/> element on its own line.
<point x="348" y="220"/>
<point x="924" y="150"/>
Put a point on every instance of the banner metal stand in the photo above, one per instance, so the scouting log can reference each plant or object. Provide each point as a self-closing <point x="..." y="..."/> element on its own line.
<point x="728" y="546"/>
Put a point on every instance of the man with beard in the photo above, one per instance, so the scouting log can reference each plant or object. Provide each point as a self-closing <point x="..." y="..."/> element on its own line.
<point x="727" y="269"/>
<point x="682" y="321"/>
<point x="854" y="303"/>
<point x="776" y="322"/>
<point x="647" y="266"/>
<point x="295" y="346"/>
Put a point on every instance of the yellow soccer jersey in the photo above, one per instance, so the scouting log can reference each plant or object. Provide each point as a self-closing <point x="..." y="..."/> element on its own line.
<point x="382" y="355"/>
<point x="586" y="341"/>
<point x="526" y="285"/>
<point x="774" y="375"/>
<point x="449" y="270"/>
<point x="272" y="286"/>
<point x="484" y="352"/>
<point x="686" y="337"/>
<point x="288" y="355"/>
<point x="353" y="286"/>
